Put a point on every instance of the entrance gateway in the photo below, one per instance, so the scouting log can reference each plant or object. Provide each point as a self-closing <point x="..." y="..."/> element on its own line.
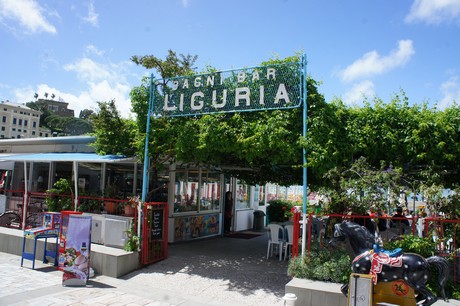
<point x="278" y="86"/>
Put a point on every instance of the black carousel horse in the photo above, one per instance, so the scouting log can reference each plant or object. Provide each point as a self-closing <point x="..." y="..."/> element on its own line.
<point x="414" y="269"/>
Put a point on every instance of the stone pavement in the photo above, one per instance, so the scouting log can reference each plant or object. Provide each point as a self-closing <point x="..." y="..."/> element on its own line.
<point x="218" y="271"/>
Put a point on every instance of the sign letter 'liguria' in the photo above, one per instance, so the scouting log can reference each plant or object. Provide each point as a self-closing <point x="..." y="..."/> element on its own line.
<point x="250" y="89"/>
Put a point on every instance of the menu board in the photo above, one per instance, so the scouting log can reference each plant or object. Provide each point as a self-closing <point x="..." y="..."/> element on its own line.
<point x="157" y="224"/>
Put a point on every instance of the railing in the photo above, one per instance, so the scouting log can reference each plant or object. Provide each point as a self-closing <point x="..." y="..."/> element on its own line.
<point x="36" y="205"/>
<point x="443" y="232"/>
<point x="154" y="229"/>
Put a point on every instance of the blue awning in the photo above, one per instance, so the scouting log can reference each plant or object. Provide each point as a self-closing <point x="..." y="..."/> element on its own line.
<point x="69" y="157"/>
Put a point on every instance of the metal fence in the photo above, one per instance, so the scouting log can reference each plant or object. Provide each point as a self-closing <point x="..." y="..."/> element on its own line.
<point x="443" y="232"/>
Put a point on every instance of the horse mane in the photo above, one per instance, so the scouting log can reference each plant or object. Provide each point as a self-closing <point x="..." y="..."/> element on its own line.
<point x="360" y="238"/>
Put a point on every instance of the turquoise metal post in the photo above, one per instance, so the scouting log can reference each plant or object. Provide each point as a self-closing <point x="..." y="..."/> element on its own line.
<point x="304" y="99"/>
<point x="146" y="148"/>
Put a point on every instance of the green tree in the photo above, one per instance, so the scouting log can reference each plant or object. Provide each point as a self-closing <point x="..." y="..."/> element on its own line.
<point x="86" y="114"/>
<point x="114" y="134"/>
<point x="255" y="146"/>
<point x="68" y="125"/>
<point x="171" y="66"/>
<point x="329" y="144"/>
<point x="40" y="105"/>
<point x="266" y="146"/>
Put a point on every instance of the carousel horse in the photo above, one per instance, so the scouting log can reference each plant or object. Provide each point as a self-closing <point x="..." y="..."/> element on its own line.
<point x="385" y="267"/>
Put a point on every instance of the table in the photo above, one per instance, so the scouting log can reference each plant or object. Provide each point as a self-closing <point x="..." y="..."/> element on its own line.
<point x="46" y="253"/>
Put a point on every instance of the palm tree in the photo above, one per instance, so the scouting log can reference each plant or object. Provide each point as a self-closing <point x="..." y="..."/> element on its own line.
<point x="36" y="96"/>
<point x="52" y="96"/>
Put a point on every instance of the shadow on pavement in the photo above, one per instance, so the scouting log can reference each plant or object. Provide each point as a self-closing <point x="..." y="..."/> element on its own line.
<point x="242" y="263"/>
<point x="94" y="284"/>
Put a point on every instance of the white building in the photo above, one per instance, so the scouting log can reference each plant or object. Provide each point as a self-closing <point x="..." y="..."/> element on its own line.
<point x="20" y="121"/>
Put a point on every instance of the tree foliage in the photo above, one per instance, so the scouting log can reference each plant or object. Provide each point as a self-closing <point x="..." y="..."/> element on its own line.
<point x="256" y="147"/>
<point x="59" y="124"/>
<point x="68" y="125"/>
<point x="40" y="105"/>
<point x="418" y="143"/>
<point x="171" y="66"/>
<point x="114" y="135"/>
<point x="403" y="144"/>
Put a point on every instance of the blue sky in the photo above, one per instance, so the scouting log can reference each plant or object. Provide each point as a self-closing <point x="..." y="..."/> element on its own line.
<point x="80" y="50"/>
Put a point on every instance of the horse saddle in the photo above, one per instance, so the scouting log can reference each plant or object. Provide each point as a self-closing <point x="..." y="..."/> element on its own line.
<point x="391" y="253"/>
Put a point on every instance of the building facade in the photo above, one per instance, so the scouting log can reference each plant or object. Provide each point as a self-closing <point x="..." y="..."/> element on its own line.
<point x="20" y="121"/>
<point x="58" y="107"/>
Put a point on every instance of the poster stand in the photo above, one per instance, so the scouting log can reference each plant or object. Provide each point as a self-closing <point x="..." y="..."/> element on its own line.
<point x="77" y="263"/>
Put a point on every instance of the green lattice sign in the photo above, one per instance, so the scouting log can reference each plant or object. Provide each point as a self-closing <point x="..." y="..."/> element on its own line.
<point x="250" y="89"/>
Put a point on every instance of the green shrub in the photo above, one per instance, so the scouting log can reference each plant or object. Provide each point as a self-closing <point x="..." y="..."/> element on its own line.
<point x="279" y="210"/>
<point x="413" y="244"/>
<point x="323" y="265"/>
<point x="335" y="265"/>
<point x="425" y="247"/>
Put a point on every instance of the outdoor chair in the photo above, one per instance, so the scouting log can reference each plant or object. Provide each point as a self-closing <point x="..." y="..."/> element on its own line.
<point x="289" y="239"/>
<point x="275" y="238"/>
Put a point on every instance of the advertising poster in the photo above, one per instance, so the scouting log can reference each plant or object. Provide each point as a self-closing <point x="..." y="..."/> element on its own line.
<point x="187" y="228"/>
<point x="63" y="236"/>
<point x="76" y="257"/>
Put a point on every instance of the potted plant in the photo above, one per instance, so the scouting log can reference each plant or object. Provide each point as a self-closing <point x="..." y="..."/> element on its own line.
<point x="279" y="211"/>
<point x="131" y="206"/>
<point x="60" y="197"/>
<point x="111" y="193"/>
<point x="89" y="203"/>
<point x="132" y="244"/>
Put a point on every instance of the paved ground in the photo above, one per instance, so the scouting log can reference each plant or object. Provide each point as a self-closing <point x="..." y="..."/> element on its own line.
<point x="219" y="271"/>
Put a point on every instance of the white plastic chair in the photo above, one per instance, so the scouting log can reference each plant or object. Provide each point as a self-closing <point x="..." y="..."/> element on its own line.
<point x="275" y="237"/>
<point x="289" y="239"/>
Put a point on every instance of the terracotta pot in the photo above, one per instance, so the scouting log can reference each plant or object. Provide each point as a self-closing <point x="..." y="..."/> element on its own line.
<point x="111" y="207"/>
<point x="129" y="210"/>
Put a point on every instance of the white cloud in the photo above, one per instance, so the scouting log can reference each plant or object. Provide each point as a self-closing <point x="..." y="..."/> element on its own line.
<point x="28" y="13"/>
<point x="451" y="92"/>
<point x="434" y="11"/>
<point x="89" y="71"/>
<point x="105" y="82"/>
<point x="372" y="63"/>
<point x="102" y="83"/>
<point x="185" y="3"/>
<point x="359" y="92"/>
<point x="91" y="49"/>
<point x="93" y="17"/>
<point x="97" y="92"/>
<point x="26" y="94"/>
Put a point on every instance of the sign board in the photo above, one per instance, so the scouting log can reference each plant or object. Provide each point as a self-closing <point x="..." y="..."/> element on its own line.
<point x="249" y="89"/>
<point x="270" y="87"/>
<point x="157" y="224"/>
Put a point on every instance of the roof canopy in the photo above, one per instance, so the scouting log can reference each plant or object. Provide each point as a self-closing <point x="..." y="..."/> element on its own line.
<point x="68" y="157"/>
